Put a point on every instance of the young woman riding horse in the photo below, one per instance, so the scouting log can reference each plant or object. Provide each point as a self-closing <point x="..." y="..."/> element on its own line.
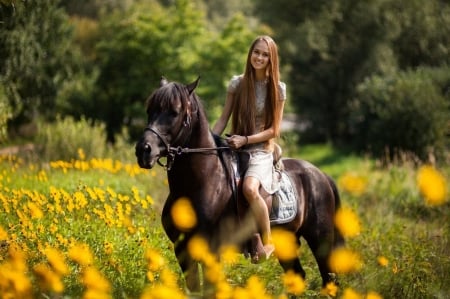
<point x="198" y="169"/>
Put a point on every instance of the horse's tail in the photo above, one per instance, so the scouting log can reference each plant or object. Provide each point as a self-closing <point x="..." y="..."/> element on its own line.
<point x="338" y="238"/>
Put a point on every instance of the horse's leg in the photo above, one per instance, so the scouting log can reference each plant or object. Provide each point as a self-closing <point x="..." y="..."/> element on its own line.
<point x="189" y="267"/>
<point x="321" y="245"/>
<point x="294" y="265"/>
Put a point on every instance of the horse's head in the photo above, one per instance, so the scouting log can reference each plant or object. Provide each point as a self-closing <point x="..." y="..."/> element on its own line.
<point x="170" y="109"/>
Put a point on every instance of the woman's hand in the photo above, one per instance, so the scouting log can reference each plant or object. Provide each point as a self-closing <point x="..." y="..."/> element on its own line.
<point x="237" y="141"/>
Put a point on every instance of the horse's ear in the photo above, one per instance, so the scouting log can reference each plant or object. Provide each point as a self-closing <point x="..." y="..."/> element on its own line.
<point x="163" y="81"/>
<point x="192" y="86"/>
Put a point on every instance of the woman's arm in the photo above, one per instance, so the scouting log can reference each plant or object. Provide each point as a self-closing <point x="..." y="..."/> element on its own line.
<point x="237" y="141"/>
<point x="222" y="122"/>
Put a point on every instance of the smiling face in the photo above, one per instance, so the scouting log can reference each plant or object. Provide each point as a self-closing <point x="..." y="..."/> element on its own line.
<point x="260" y="56"/>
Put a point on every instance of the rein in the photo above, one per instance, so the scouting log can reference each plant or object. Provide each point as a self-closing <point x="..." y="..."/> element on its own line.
<point x="179" y="150"/>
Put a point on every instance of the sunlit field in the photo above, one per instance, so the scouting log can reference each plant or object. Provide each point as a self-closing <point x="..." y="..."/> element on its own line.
<point x="90" y="228"/>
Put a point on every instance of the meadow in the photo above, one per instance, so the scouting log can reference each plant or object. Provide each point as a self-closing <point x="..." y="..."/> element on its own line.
<point x="89" y="227"/>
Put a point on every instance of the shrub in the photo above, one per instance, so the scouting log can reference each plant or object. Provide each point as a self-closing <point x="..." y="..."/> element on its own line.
<point x="5" y="114"/>
<point x="62" y="139"/>
<point x="404" y="113"/>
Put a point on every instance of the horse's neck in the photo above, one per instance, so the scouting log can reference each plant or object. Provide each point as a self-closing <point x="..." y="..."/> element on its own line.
<point x="201" y="136"/>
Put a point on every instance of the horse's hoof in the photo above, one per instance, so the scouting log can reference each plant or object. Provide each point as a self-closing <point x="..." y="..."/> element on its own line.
<point x="268" y="250"/>
<point x="264" y="254"/>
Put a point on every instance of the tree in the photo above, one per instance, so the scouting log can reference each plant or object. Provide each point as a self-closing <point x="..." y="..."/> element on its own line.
<point x="148" y="41"/>
<point x="38" y="57"/>
<point x="405" y="112"/>
<point x="332" y="46"/>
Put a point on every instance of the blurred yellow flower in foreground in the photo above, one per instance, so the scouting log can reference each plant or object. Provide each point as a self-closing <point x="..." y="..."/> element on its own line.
<point x="162" y="292"/>
<point x="94" y="280"/>
<point x="432" y="185"/>
<point x="48" y="279"/>
<point x="229" y="254"/>
<point x="81" y="254"/>
<point x="373" y="295"/>
<point x="294" y="283"/>
<point x="183" y="214"/>
<point x="347" y="222"/>
<point x="154" y="259"/>
<point x="351" y="294"/>
<point x="56" y="260"/>
<point x="3" y="234"/>
<point x="330" y="290"/>
<point x="353" y="183"/>
<point x="344" y="260"/>
<point x="198" y="248"/>
<point x="286" y="245"/>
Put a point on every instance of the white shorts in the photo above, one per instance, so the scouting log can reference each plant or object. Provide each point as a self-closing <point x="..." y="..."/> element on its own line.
<point x="260" y="166"/>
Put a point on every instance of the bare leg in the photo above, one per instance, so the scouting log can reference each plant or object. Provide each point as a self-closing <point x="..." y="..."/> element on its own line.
<point x="260" y="212"/>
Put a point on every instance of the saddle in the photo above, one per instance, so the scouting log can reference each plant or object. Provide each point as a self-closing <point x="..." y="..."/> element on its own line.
<point x="282" y="204"/>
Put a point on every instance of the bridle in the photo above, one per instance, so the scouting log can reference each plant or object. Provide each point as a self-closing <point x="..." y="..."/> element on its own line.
<point x="172" y="151"/>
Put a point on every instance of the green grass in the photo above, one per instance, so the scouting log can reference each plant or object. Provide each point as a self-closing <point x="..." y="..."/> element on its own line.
<point x="396" y="224"/>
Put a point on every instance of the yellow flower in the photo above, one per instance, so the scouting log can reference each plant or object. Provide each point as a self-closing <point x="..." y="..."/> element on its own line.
<point x="344" y="260"/>
<point x="347" y="222"/>
<point x="229" y="254"/>
<point x="353" y="183"/>
<point x="383" y="261"/>
<point x="35" y="211"/>
<point x="96" y="294"/>
<point x="81" y="254"/>
<point x="169" y="278"/>
<point x="330" y="289"/>
<point x="214" y="271"/>
<point x="155" y="260"/>
<point x="255" y="288"/>
<point x="351" y="294"/>
<point x="81" y="154"/>
<point x="108" y="247"/>
<point x="56" y="260"/>
<point x="432" y="185"/>
<point x="198" y="247"/>
<point x="286" y="245"/>
<point x="49" y="279"/>
<point x="162" y="292"/>
<point x="3" y="234"/>
<point x="94" y="280"/>
<point x="294" y="283"/>
<point x="373" y="295"/>
<point x="183" y="214"/>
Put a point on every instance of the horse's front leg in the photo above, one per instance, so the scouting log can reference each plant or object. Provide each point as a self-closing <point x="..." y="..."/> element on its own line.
<point x="189" y="267"/>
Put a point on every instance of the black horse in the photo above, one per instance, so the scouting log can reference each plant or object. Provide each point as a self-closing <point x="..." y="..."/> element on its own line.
<point x="178" y="137"/>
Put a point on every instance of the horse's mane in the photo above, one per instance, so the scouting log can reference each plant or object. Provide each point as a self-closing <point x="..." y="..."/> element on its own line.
<point x="163" y="98"/>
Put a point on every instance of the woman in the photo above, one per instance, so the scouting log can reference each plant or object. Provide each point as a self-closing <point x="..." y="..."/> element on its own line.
<point x="255" y="100"/>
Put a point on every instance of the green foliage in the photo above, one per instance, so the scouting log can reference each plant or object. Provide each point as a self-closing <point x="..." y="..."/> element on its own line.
<point x="5" y="114"/>
<point x="62" y="140"/>
<point x="333" y="46"/>
<point x="404" y="113"/>
<point x="396" y="224"/>
<point x="135" y="49"/>
<point x="37" y="56"/>
<point x="148" y="41"/>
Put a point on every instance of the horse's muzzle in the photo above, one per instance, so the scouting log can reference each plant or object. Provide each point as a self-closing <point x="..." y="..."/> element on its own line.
<point x="146" y="158"/>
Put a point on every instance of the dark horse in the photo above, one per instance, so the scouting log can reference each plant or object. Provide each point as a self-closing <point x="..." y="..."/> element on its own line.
<point x="178" y="137"/>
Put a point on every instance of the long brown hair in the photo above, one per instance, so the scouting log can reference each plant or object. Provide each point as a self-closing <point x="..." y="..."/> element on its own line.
<point x="244" y="102"/>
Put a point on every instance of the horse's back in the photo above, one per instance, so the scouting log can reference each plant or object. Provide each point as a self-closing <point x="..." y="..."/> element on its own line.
<point x="318" y="188"/>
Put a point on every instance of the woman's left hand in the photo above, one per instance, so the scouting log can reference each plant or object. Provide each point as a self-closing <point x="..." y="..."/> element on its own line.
<point x="237" y="141"/>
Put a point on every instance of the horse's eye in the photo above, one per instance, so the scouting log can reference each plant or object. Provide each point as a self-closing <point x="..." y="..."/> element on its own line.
<point x="173" y="113"/>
